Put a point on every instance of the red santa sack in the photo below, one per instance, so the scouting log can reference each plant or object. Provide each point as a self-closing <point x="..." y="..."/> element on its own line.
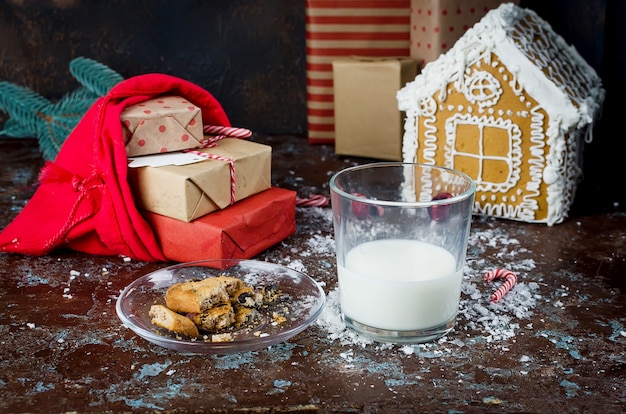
<point x="83" y="201"/>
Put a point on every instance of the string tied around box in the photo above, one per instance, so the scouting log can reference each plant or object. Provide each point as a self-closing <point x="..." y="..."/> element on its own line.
<point x="222" y="132"/>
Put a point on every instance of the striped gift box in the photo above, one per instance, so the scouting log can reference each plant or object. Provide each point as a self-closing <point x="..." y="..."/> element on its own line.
<point x="344" y="28"/>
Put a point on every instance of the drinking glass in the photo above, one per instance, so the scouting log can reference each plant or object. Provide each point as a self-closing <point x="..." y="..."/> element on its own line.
<point x="401" y="232"/>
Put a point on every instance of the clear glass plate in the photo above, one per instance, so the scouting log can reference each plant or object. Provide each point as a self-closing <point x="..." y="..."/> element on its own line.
<point x="301" y="302"/>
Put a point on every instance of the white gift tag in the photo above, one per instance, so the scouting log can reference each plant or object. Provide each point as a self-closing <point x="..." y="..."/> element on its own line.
<point x="160" y="160"/>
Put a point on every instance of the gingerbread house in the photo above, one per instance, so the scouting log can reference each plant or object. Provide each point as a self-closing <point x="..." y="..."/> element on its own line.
<point x="511" y="104"/>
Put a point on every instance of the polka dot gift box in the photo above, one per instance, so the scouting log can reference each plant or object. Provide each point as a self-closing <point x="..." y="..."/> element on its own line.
<point x="437" y="24"/>
<point x="163" y="124"/>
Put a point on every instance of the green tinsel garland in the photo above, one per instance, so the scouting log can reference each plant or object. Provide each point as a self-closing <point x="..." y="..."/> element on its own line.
<point x="32" y="115"/>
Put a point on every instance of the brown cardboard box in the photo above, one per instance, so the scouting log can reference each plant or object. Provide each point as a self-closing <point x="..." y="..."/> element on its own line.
<point x="163" y="124"/>
<point x="342" y="28"/>
<point x="186" y="192"/>
<point x="437" y="24"/>
<point x="240" y="231"/>
<point x="367" y="120"/>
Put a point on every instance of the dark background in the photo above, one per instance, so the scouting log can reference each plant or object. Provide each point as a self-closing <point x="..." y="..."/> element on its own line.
<point x="251" y="56"/>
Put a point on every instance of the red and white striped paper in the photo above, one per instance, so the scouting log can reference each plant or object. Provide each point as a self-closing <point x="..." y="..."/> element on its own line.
<point x="344" y="28"/>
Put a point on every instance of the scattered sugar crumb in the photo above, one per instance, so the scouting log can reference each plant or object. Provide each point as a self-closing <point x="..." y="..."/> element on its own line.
<point x="407" y="349"/>
<point x="322" y="244"/>
<point x="297" y="265"/>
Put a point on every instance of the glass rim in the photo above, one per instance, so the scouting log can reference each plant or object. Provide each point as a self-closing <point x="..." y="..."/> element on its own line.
<point x="471" y="190"/>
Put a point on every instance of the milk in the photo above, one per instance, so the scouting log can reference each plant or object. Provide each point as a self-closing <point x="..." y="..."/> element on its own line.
<point x="399" y="285"/>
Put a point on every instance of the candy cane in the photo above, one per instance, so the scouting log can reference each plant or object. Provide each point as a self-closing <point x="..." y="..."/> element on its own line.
<point x="222" y="132"/>
<point x="233" y="176"/>
<point x="315" y="200"/>
<point x="361" y="210"/>
<point x="227" y="131"/>
<point x="212" y="141"/>
<point x="509" y="281"/>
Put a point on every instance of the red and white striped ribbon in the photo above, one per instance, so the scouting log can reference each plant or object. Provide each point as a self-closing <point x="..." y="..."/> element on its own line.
<point x="222" y="132"/>
<point x="509" y="281"/>
<point x="212" y="141"/>
<point x="233" y="132"/>
<point x="233" y="176"/>
<point x="315" y="200"/>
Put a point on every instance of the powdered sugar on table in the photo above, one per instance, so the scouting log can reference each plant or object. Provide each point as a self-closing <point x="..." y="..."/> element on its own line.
<point x="478" y="320"/>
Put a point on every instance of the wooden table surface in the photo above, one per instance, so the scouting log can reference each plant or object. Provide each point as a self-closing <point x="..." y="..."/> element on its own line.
<point x="556" y="343"/>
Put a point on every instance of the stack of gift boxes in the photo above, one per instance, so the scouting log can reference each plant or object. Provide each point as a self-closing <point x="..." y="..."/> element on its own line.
<point x="206" y="195"/>
<point x="360" y="54"/>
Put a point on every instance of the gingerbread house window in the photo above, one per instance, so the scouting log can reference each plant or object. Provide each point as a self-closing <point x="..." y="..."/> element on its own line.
<point x="486" y="148"/>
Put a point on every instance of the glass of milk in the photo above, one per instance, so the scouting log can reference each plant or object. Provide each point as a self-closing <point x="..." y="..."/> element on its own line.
<point x="401" y="232"/>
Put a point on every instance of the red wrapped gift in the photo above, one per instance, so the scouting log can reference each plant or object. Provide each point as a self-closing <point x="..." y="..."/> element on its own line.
<point x="239" y="231"/>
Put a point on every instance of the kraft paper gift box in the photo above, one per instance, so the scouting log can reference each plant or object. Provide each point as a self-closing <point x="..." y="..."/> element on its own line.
<point x="437" y="24"/>
<point x="343" y="28"/>
<point x="240" y="231"/>
<point x="368" y="122"/>
<point x="164" y="124"/>
<point x="186" y="192"/>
